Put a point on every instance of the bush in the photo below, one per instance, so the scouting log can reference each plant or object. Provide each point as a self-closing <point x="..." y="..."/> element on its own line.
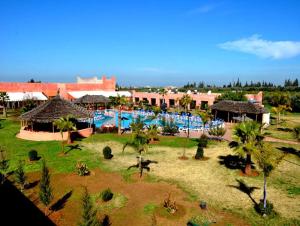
<point x="107" y="152"/>
<point x="106" y="195"/>
<point x="33" y="155"/>
<point x="82" y="169"/>
<point x="199" y="153"/>
<point x="203" y="141"/>
<point x="261" y="210"/>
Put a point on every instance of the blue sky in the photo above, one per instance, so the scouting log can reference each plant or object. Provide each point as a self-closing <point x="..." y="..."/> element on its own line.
<point x="150" y="42"/>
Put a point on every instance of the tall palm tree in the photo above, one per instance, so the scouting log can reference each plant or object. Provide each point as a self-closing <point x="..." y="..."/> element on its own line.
<point x="65" y="124"/>
<point x="185" y="101"/>
<point x="138" y="141"/>
<point x="119" y="102"/>
<point x="266" y="161"/>
<point x="247" y="136"/>
<point x="3" y="99"/>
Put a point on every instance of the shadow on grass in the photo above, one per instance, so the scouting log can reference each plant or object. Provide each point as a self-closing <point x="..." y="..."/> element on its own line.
<point x="32" y="184"/>
<point x="61" y="202"/>
<point x="248" y="190"/>
<point x="290" y="150"/>
<point x="145" y="165"/>
<point x="73" y="147"/>
<point x="233" y="162"/>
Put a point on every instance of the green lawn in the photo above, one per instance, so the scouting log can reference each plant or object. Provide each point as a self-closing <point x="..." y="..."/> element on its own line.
<point x="17" y="149"/>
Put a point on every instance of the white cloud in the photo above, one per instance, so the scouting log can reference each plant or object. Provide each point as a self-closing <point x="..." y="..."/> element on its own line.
<point x="264" y="48"/>
<point x="203" y="9"/>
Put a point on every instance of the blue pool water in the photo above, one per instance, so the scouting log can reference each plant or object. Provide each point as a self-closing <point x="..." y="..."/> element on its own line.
<point x="111" y="117"/>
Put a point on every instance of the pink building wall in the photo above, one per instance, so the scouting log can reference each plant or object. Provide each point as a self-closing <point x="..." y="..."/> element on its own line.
<point x="208" y="98"/>
<point x="50" y="89"/>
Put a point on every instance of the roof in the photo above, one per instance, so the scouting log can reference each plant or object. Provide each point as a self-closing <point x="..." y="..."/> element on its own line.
<point x="239" y="107"/>
<point x="54" y="109"/>
<point x="78" y="94"/>
<point x="91" y="99"/>
<point x="20" y="96"/>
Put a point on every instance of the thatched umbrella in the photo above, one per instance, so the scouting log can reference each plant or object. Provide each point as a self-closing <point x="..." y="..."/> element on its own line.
<point x="92" y="100"/>
<point x="54" y="109"/>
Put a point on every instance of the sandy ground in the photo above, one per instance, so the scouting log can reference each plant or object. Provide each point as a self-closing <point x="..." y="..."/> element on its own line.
<point x="210" y="180"/>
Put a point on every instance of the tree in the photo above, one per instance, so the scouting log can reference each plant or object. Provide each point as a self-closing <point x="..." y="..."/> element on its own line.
<point x="152" y="132"/>
<point x="4" y="164"/>
<point x="185" y="101"/>
<point x="235" y="96"/>
<point x="3" y="99"/>
<point x="89" y="215"/>
<point x="278" y="111"/>
<point x="247" y="136"/>
<point x="266" y="161"/>
<point x="45" y="193"/>
<point x="20" y="175"/>
<point x="138" y="141"/>
<point x="205" y="117"/>
<point x="119" y="102"/>
<point x="65" y="124"/>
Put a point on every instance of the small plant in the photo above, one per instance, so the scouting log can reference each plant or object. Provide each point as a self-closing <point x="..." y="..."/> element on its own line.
<point x="107" y="152"/>
<point x="82" y="169"/>
<point x="33" y="155"/>
<point x="45" y="193"/>
<point x="170" y="205"/>
<point x="199" y="153"/>
<point x="106" y="195"/>
<point x="89" y="214"/>
<point x="4" y="165"/>
<point x="20" y="175"/>
<point x="264" y="211"/>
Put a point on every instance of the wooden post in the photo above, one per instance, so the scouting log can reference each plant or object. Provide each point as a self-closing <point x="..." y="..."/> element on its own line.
<point x="256" y="117"/>
<point x="52" y="128"/>
<point x="228" y="116"/>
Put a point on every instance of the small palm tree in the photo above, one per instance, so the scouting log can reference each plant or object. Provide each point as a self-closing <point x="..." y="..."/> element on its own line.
<point x="152" y="132"/>
<point x="65" y="124"/>
<point x="119" y="102"/>
<point x="205" y="117"/>
<point x="280" y="110"/>
<point x="247" y="136"/>
<point x="139" y="141"/>
<point x="266" y="161"/>
<point x="3" y="99"/>
<point x="185" y="101"/>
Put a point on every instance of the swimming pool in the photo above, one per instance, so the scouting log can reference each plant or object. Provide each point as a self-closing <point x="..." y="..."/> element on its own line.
<point x="110" y="117"/>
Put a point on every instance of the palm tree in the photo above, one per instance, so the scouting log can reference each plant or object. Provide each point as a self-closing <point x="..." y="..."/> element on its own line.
<point x="65" y="124"/>
<point x="266" y="161"/>
<point x="247" y="136"/>
<point x="278" y="110"/>
<point x="3" y="99"/>
<point x="152" y="132"/>
<point x="139" y="141"/>
<point x="185" y="101"/>
<point x="205" y="117"/>
<point x="119" y="102"/>
<point x="177" y="101"/>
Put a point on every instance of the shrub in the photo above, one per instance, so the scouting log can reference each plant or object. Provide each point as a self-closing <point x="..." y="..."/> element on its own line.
<point x="203" y="141"/>
<point x="199" y="153"/>
<point x="261" y="210"/>
<point x="82" y="169"/>
<point x="107" y="152"/>
<point x="106" y="195"/>
<point x="33" y="155"/>
<point x="170" y="205"/>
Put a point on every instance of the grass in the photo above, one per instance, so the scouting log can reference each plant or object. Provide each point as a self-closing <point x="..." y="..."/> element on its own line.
<point x="150" y="208"/>
<point x="17" y="149"/>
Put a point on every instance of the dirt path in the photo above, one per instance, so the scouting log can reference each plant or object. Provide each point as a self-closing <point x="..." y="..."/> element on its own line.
<point x="272" y="139"/>
<point x="139" y="194"/>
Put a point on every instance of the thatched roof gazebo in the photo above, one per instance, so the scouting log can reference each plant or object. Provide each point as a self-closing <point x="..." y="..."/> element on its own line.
<point x="92" y="101"/>
<point x="230" y="110"/>
<point x="41" y="118"/>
